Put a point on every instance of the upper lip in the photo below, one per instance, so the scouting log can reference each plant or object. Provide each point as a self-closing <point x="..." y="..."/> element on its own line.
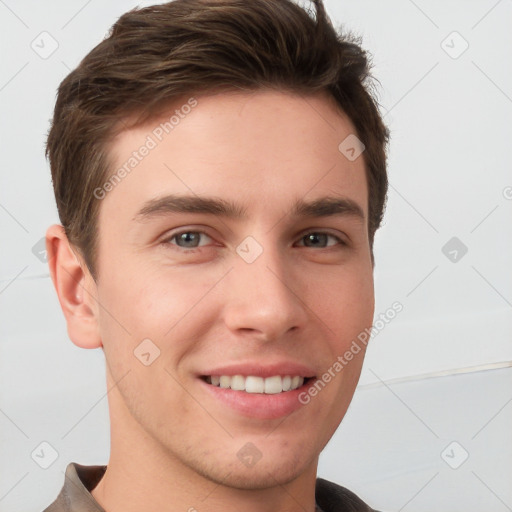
<point x="262" y="370"/>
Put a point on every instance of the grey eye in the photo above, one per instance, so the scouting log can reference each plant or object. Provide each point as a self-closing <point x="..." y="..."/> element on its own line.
<point x="188" y="239"/>
<point x="316" y="239"/>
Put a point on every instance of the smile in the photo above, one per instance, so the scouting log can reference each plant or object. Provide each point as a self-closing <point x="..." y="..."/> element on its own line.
<point x="254" y="384"/>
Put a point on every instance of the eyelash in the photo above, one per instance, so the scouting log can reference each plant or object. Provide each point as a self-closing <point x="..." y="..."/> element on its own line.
<point x="168" y="240"/>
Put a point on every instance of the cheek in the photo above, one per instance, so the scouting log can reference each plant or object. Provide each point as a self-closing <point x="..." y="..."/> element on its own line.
<point x="344" y="302"/>
<point x="162" y="306"/>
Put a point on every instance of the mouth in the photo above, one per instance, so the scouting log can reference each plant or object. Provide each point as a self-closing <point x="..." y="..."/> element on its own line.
<point x="258" y="391"/>
<point x="253" y="384"/>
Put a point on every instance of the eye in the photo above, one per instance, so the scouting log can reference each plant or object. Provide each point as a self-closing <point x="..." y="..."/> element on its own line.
<point x="188" y="239"/>
<point x="321" y="240"/>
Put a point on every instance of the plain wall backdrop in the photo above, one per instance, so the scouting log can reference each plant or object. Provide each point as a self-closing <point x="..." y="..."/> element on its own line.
<point x="429" y="427"/>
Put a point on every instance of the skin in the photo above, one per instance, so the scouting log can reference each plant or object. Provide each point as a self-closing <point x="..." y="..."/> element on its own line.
<point x="173" y="446"/>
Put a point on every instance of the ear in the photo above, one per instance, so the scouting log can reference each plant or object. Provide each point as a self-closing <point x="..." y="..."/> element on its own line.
<point x="75" y="288"/>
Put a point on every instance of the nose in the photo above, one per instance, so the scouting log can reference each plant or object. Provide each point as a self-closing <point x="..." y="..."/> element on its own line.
<point x="263" y="298"/>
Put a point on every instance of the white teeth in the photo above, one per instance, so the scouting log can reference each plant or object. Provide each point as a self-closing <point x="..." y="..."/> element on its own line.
<point x="273" y="385"/>
<point x="254" y="385"/>
<point x="251" y="384"/>
<point x="238" y="383"/>
<point x="225" y="381"/>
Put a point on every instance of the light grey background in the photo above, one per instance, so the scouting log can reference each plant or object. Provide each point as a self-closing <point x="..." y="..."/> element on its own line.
<point x="438" y="374"/>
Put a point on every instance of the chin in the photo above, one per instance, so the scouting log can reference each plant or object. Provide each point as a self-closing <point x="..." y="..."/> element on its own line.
<point x="258" y="478"/>
<point x="278" y="469"/>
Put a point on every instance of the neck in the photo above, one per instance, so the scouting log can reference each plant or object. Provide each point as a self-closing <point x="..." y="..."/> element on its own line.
<point x="132" y="484"/>
<point x="143" y="475"/>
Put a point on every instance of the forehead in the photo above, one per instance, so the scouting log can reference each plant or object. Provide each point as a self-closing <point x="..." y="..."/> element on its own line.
<point x="264" y="147"/>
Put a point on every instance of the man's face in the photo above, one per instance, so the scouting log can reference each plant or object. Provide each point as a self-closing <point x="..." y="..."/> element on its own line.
<point x="261" y="291"/>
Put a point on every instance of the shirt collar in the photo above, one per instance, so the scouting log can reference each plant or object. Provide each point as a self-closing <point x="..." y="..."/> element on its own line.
<point x="75" y="495"/>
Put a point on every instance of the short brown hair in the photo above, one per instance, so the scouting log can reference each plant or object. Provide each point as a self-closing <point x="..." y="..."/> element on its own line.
<point x="158" y="54"/>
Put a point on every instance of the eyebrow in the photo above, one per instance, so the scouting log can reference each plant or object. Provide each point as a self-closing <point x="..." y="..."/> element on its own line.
<point x="321" y="207"/>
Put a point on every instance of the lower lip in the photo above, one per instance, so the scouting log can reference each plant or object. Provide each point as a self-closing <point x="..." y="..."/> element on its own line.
<point x="259" y="405"/>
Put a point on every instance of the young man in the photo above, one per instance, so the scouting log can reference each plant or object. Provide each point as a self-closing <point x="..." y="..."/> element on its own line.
<point x="219" y="169"/>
